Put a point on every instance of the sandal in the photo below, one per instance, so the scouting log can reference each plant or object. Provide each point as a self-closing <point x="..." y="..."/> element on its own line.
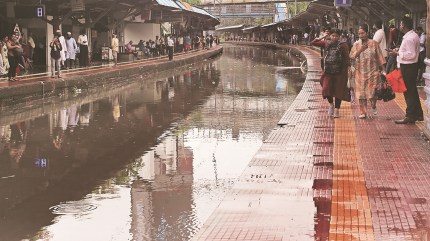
<point x="362" y="116"/>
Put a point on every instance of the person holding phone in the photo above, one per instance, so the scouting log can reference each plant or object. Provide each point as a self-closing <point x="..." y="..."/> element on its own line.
<point x="56" y="48"/>
<point x="368" y="60"/>
<point x="335" y="76"/>
<point x="407" y="59"/>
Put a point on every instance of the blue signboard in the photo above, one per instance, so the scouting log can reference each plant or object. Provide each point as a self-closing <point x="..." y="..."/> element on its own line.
<point x="39" y="12"/>
<point x="342" y="3"/>
<point x="41" y="162"/>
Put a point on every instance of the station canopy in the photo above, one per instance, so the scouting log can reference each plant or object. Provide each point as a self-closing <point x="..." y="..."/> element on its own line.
<point x="108" y="11"/>
<point x="362" y="10"/>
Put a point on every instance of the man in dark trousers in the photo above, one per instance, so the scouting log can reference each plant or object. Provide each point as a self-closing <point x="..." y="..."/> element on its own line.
<point x="170" y="45"/>
<point x="407" y="58"/>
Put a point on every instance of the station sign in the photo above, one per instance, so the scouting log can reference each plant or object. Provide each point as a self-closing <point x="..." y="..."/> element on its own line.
<point x="342" y="3"/>
<point x="29" y="11"/>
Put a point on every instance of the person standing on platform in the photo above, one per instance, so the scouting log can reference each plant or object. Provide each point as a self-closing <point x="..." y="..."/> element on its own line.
<point x="56" y="49"/>
<point x="115" y="49"/>
<point x="71" y="50"/>
<point x="394" y="40"/>
<point x="334" y="79"/>
<point x="187" y="43"/>
<point x="170" y="45"/>
<point x="83" y="49"/>
<point x="379" y="37"/>
<point x="368" y="59"/>
<point x="63" y="46"/>
<point x="31" y="46"/>
<point x="3" y="55"/>
<point x="407" y="60"/>
<point x="14" y="51"/>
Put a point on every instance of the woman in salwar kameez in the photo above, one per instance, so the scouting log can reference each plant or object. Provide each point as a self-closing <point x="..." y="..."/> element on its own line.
<point x="335" y="85"/>
<point x="368" y="59"/>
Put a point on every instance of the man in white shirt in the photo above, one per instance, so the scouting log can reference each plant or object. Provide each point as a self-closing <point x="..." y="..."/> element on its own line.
<point x="115" y="49"/>
<point x="407" y="59"/>
<point x="64" y="47"/>
<point x="83" y="49"/>
<point x="170" y="44"/>
<point x="380" y="38"/>
<point x="421" y="64"/>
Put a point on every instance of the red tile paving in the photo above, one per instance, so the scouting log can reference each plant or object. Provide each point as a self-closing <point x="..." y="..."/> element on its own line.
<point x="318" y="178"/>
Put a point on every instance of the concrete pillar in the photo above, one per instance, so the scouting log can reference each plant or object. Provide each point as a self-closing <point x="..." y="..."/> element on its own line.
<point x="426" y="75"/>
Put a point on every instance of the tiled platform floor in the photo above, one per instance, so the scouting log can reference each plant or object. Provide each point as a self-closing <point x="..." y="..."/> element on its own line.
<point x="318" y="178"/>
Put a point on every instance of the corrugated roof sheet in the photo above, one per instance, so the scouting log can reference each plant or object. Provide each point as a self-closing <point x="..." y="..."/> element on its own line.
<point x="168" y="3"/>
<point x="231" y="27"/>
<point x="202" y="11"/>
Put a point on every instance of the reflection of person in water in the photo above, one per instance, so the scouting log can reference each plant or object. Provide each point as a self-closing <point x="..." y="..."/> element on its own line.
<point x="115" y="108"/>
<point x="60" y="120"/>
<point x="85" y="114"/>
<point x="17" y="146"/>
<point x="58" y="138"/>
<point x="73" y="115"/>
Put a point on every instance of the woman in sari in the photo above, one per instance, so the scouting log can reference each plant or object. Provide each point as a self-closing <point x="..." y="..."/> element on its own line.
<point x="368" y="60"/>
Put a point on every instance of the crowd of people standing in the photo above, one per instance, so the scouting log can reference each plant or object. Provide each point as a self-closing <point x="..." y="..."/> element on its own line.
<point x="66" y="52"/>
<point x="366" y="60"/>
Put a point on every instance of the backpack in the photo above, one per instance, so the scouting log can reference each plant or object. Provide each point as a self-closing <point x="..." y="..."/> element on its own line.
<point x="333" y="59"/>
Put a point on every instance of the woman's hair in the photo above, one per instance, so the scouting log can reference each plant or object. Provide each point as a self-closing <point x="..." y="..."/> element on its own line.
<point x="336" y="31"/>
<point x="364" y="27"/>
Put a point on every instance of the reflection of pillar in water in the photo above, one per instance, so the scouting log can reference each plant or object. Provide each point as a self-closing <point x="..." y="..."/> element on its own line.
<point x="147" y="172"/>
<point x="60" y="119"/>
<point x="167" y="153"/>
<point x="142" y="223"/>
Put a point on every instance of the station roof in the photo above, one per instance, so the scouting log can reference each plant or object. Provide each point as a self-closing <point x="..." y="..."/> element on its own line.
<point x="98" y="10"/>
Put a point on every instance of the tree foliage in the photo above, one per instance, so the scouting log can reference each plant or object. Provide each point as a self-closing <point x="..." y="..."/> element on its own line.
<point x="193" y="2"/>
<point x="301" y="7"/>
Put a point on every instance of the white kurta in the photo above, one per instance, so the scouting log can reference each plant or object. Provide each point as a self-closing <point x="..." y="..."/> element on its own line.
<point x="64" y="46"/>
<point x="71" y="48"/>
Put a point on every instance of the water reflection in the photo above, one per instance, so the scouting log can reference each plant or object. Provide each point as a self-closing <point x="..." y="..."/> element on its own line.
<point x="146" y="161"/>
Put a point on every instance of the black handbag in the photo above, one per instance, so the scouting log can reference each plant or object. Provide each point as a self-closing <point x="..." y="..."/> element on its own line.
<point x="383" y="90"/>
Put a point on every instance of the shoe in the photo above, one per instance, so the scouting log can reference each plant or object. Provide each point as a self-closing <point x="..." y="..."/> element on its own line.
<point x="60" y="76"/>
<point x="331" y="110"/>
<point x="362" y="116"/>
<point x="374" y="111"/>
<point x="406" y="120"/>
<point x="52" y="76"/>
<point x="336" y="113"/>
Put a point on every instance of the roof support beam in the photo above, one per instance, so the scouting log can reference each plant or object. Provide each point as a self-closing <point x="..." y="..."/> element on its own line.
<point x="387" y="10"/>
<point x="405" y="5"/>
<point x="359" y="12"/>
<point x="101" y="15"/>
<point x="371" y="9"/>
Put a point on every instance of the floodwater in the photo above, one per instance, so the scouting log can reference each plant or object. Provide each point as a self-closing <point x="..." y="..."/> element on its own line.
<point x="146" y="160"/>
